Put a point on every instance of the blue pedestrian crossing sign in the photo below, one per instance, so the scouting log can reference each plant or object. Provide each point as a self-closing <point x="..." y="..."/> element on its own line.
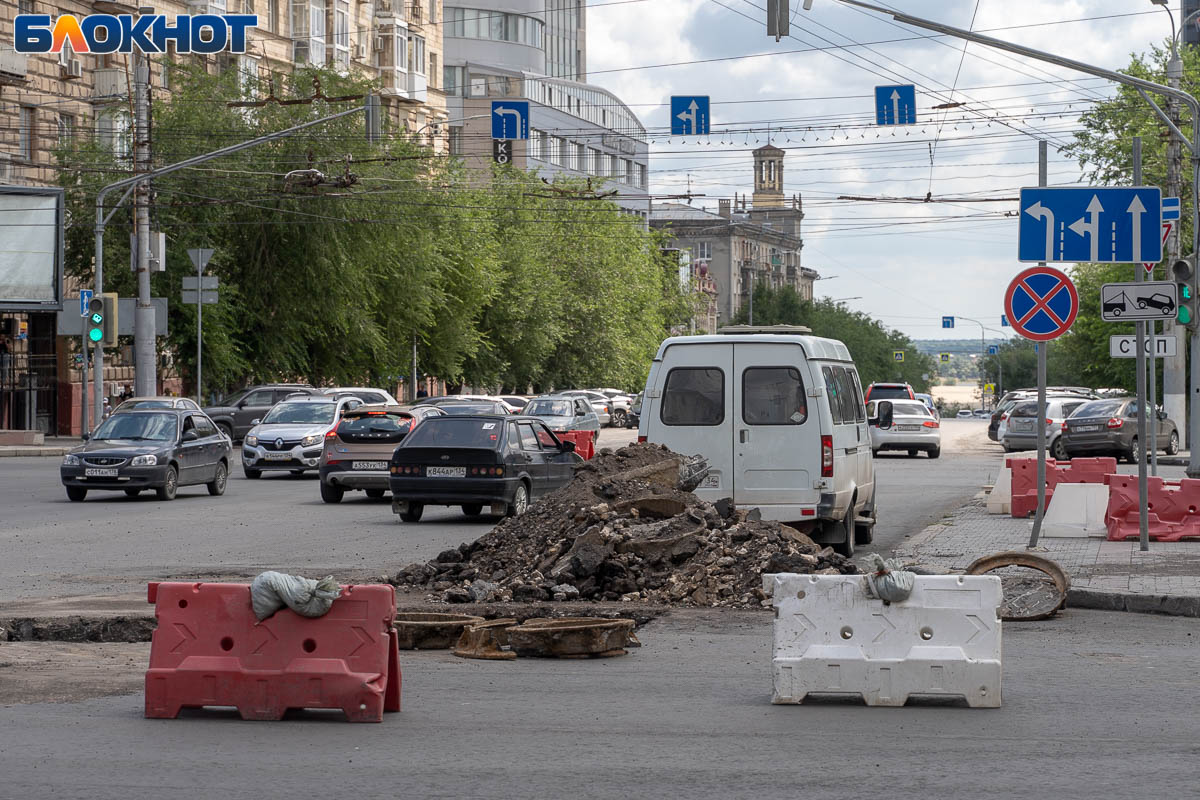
<point x="510" y="119"/>
<point x="993" y="349"/>
<point x="689" y="115"/>
<point x="1095" y="224"/>
<point x="85" y="297"/>
<point x="947" y="322"/>
<point x="944" y="358"/>
<point x="897" y="355"/>
<point x="896" y="105"/>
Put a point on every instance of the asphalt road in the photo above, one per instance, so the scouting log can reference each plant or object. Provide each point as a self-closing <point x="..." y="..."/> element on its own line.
<point x="1094" y="705"/>
<point x="112" y="544"/>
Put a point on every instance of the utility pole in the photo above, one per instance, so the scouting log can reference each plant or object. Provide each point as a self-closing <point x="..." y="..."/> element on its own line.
<point x="145" y="382"/>
<point x="1175" y="367"/>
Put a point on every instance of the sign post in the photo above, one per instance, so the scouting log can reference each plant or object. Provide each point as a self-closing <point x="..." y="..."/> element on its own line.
<point x="199" y="257"/>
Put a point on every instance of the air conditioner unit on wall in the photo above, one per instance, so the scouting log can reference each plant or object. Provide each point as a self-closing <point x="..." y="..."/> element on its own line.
<point x="72" y="68"/>
<point x="359" y="52"/>
<point x="378" y="44"/>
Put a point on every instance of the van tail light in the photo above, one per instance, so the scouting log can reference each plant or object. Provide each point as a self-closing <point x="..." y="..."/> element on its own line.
<point x="929" y="423"/>
<point x="331" y="434"/>
<point x="641" y="440"/>
<point x="1115" y="422"/>
<point x="826" y="456"/>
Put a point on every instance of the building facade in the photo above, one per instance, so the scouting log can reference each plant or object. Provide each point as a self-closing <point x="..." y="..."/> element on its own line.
<point x="535" y="50"/>
<point x="738" y="247"/>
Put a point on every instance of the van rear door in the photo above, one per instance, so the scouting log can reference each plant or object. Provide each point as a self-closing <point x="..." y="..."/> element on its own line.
<point x="689" y="408"/>
<point x="777" y="439"/>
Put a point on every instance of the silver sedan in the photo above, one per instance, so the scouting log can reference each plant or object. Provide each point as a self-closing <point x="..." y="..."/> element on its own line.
<point x="913" y="429"/>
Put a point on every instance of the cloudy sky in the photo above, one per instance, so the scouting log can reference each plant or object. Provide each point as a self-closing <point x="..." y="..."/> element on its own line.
<point x="812" y="93"/>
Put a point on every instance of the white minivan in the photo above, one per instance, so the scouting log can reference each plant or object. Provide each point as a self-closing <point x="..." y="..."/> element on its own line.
<point x="779" y="414"/>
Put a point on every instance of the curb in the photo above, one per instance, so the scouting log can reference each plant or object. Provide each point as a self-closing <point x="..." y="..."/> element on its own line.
<point x="1170" y="604"/>
<point x="23" y="452"/>
<point x="1173" y="461"/>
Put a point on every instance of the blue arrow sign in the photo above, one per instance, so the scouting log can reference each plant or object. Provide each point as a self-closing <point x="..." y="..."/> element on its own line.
<point x="85" y="297"/>
<point x="510" y="119"/>
<point x="993" y="349"/>
<point x="1170" y="208"/>
<point x="947" y="322"/>
<point x="689" y="115"/>
<point x="896" y="105"/>
<point x="1004" y="320"/>
<point x="1100" y="225"/>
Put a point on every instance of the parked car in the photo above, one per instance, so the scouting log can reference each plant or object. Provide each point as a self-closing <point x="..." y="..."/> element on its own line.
<point x="565" y="413"/>
<point x="913" y="429"/>
<point x="927" y="399"/>
<point x="473" y="408"/>
<point x="469" y="398"/>
<point x="635" y="412"/>
<point x="516" y="401"/>
<point x="185" y="403"/>
<point x="292" y="434"/>
<point x="620" y="403"/>
<point x="981" y="413"/>
<point x="1021" y="431"/>
<point x="963" y="413"/>
<point x="236" y="414"/>
<point x="1010" y="399"/>
<point x="159" y="449"/>
<point x="889" y="391"/>
<point x="783" y="426"/>
<point x="356" y="453"/>
<point x="499" y="461"/>
<point x="367" y="394"/>
<point x="600" y="404"/>
<point x="1109" y="427"/>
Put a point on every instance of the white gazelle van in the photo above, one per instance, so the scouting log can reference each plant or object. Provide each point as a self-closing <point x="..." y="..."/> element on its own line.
<point x="779" y="414"/>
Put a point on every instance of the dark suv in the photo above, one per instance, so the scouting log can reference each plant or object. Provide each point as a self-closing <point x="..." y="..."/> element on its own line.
<point x="889" y="391"/>
<point x="236" y="414"/>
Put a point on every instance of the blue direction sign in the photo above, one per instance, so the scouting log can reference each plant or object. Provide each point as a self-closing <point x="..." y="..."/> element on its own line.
<point x="1170" y="208"/>
<point x="510" y="119"/>
<point x="993" y="349"/>
<point x="1041" y="303"/>
<point x="1097" y="224"/>
<point x="896" y="105"/>
<point x="689" y="115"/>
<point x="947" y="322"/>
<point x="85" y="297"/>
<point x="1004" y="320"/>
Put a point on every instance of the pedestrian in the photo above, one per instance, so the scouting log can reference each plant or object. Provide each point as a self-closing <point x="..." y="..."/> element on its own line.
<point x="422" y="393"/>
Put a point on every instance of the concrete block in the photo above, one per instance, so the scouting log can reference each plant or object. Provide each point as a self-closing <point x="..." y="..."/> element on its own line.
<point x="1077" y="510"/>
<point x="17" y="438"/>
<point x="832" y="638"/>
<point x="1000" y="498"/>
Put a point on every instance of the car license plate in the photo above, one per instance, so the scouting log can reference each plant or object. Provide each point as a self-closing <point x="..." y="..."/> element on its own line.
<point x="371" y="465"/>
<point x="446" y="472"/>
<point x="93" y="472"/>
<point x="1084" y="428"/>
<point x="277" y="456"/>
<point x="908" y="427"/>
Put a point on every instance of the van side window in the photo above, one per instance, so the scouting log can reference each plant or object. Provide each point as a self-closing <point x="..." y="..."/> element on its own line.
<point x="846" y="395"/>
<point x="773" y="396"/>
<point x="831" y="392"/>
<point x="694" y="396"/>
<point x="856" y="385"/>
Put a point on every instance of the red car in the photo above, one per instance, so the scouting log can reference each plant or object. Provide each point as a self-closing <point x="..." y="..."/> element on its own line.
<point x="889" y="391"/>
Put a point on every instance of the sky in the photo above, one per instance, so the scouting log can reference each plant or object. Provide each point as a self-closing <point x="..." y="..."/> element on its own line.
<point x="910" y="264"/>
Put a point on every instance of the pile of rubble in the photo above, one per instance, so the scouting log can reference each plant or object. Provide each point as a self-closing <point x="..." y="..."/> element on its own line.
<point x="626" y="528"/>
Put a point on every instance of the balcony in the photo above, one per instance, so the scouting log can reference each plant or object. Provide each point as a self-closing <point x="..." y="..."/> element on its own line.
<point x="405" y="86"/>
<point x="390" y="11"/>
<point x="109" y="85"/>
<point x="13" y="66"/>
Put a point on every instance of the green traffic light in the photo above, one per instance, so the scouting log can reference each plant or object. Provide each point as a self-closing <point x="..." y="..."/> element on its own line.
<point x="96" y="334"/>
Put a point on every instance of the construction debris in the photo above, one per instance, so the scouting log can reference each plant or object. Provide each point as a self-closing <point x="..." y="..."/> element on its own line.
<point x="626" y="528"/>
<point x="431" y="631"/>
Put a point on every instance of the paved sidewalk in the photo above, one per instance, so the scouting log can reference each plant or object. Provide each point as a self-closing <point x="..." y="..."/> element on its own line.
<point x="1104" y="574"/>
<point x="53" y="446"/>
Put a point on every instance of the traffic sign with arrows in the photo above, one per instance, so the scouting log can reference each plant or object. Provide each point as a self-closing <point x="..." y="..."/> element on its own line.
<point x="510" y="119"/>
<point x="896" y="105"/>
<point x="689" y="115"/>
<point x="1101" y="225"/>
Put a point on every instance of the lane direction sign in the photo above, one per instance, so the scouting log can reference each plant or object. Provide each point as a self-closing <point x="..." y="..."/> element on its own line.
<point x="896" y="105"/>
<point x="1126" y="347"/>
<point x="993" y="349"/>
<point x="947" y="322"/>
<point x="510" y="119"/>
<point x="1101" y="225"/>
<point x="1004" y="320"/>
<point x="1041" y="303"/>
<point x="689" y="115"/>
<point x="1138" y="301"/>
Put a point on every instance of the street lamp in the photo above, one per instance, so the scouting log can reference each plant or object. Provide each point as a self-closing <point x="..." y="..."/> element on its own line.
<point x="843" y="299"/>
<point x="417" y="132"/>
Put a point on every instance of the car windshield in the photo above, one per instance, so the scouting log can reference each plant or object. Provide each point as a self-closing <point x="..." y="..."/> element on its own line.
<point x="890" y="393"/>
<point x="455" y="432"/>
<point x="550" y="408"/>
<point x="286" y="413"/>
<point x="375" y="422"/>
<point x="128" y="404"/>
<point x="138" y="428"/>
<point x="234" y="399"/>
<point x="911" y="408"/>
<point x="1098" y="408"/>
<point x="469" y="409"/>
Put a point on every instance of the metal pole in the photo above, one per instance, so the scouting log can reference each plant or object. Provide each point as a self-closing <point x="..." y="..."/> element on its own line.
<point x="413" y="389"/>
<point x="1041" y="398"/>
<point x="1139" y="271"/>
<point x="145" y="378"/>
<point x="84" y="423"/>
<point x="199" y="330"/>
<point x="982" y="377"/>
<point x="98" y="349"/>
<point x="1175" y="367"/>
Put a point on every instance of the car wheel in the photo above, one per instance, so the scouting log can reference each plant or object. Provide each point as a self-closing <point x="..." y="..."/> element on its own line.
<point x="618" y="419"/>
<point x="934" y="452"/>
<point x="132" y="492"/>
<point x="472" y="509"/>
<point x="414" y="512"/>
<point x="912" y="453"/>
<point x="520" y="503"/>
<point x="1058" y="450"/>
<point x="217" y="487"/>
<point x="252" y="474"/>
<point x="843" y="531"/>
<point x="331" y="494"/>
<point x="76" y="494"/>
<point x="1134" y="455"/>
<point x="170" y="485"/>
<point x="375" y="494"/>
<point x="1173" y="443"/>
<point x="225" y="429"/>
<point x="864" y="532"/>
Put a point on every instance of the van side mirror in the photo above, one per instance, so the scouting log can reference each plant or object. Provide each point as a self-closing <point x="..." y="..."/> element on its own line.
<point x="883" y="415"/>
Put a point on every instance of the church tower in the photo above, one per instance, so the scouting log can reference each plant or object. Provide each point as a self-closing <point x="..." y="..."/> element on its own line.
<point x="768" y="177"/>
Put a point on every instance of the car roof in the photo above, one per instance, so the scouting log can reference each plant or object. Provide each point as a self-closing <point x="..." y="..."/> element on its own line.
<point x="175" y="411"/>
<point x="388" y="407"/>
<point x="313" y="398"/>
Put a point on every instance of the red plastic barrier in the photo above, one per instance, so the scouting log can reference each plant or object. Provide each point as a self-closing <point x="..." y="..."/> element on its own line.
<point x="209" y="650"/>
<point x="1078" y="470"/>
<point x="583" y="442"/>
<point x="1173" y="508"/>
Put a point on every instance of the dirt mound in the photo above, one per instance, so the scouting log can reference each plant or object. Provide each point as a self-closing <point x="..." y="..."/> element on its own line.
<point x="623" y="529"/>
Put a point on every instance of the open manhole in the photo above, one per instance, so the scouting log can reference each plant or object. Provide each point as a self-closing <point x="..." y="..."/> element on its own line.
<point x="431" y="631"/>
<point x="486" y="640"/>
<point x="1034" y="587"/>
<point x="572" y="637"/>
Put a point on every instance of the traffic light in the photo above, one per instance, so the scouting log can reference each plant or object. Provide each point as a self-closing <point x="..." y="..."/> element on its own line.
<point x="1184" y="273"/>
<point x="101" y="320"/>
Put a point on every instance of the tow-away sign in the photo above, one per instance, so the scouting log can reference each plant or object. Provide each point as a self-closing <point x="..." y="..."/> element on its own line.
<point x="1126" y="347"/>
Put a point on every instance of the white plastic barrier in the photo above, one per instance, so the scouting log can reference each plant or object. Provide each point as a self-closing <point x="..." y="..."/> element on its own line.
<point x="999" y="499"/>
<point x="832" y="638"/>
<point x="1077" y="510"/>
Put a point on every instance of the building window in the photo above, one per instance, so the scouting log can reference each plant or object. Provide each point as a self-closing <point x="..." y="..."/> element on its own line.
<point x="25" y="134"/>
<point x="703" y="251"/>
<point x="308" y="32"/>
<point x="416" y="54"/>
<point x="25" y="7"/>
<point x="112" y="131"/>
<point x="341" y="33"/>
<point x="581" y="158"/>
<point x="248" y="76"/>
<point x="456" y="133"/>
<point x="273" y="16"/>
<point x="452" y="80"/>
<point x="66" y="129"/>
<point x="433" y="70"/>
<point x="433" y="7"/>
<point x="474" y="23"/>
<point x="614" y="167"/>
<point x="564" y="153"/>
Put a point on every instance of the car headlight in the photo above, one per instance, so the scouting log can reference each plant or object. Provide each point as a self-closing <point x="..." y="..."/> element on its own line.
<point x="70" y="460"/>
<point x="144" y="461"/>
<point x="309" y="441"/>
<point x="252" y="441"/>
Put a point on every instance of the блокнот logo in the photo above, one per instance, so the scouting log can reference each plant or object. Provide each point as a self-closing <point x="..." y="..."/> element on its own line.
<point x="121" y="33"/>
